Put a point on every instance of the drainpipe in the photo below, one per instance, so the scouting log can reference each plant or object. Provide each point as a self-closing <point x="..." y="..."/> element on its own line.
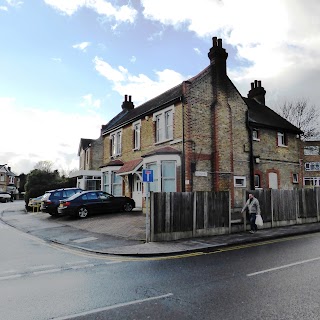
<point x="183" y="164"/>
<point x="251" y="158"/>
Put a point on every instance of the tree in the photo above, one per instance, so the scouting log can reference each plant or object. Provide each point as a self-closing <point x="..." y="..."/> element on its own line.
<point x="304" y="116"/>
<point x="44" y="166"/>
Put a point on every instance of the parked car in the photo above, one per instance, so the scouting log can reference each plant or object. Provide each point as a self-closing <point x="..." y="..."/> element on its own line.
<point x="94" y="201"/>
<point x="5" y="197"/>
<point x="34" y="202"/>
<point x="51" y="199"/>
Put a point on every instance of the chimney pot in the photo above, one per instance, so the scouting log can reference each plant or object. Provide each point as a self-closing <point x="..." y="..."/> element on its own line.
<point x="220" y="43"/>
<point x="125" y="97"/>
<point x="255" y="83"/>
<point x="252" y="85"/>
<point x="129" y="98"/>
<point x="214" y="41"/>
<point x="259" y="83"/>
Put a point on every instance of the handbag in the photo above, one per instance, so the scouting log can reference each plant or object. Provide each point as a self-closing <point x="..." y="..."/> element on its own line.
<point x="259" y="221"/>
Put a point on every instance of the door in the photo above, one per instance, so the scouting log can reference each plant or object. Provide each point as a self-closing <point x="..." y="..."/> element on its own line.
<point x="273" y="180"/>
<point x="137" y="191"/>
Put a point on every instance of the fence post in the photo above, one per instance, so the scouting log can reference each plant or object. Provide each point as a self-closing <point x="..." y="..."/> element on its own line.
<point x="152" y="216"/>
<point x="317" y="203"/>
<point x="194" y="222"/>
<point x="271" y="204"/>
<point x="205" y="209"/>
<point x="168" y="213"/>
<point x="230" y="212"/>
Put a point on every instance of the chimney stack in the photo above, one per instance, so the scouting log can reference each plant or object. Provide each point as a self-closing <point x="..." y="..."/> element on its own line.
<point x="218" y="55"/>
<point x="127" y="104"/>
<point x="257" y="92"/>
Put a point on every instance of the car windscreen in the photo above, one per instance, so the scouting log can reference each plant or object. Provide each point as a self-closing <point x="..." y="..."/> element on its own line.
<point x="75" y="195"/>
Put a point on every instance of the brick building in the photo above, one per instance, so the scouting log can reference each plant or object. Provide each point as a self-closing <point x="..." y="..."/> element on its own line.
<point x="90" y="154"/>
<point x="201" y="135"/>
<point x="311" y="162"/>
<point x="9" y="182"/>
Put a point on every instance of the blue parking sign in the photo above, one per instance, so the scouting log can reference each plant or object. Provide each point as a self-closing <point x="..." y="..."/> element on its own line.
<point x="147" y="175"/>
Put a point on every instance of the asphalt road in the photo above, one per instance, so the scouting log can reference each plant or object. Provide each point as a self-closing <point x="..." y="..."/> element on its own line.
<point x="276" y="280"/>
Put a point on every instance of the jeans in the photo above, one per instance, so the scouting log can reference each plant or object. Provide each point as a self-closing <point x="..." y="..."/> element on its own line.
<point x="253" y="222"/>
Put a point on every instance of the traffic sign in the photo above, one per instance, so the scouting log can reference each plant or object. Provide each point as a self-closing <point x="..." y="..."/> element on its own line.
<point x="147" y="175"/>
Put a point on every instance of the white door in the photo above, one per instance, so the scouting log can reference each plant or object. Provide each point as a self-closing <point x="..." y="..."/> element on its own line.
<point x="137" y="191"/>
<point x="273" y="180"/>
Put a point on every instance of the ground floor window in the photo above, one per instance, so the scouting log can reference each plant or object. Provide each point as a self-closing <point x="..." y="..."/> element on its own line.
<point x="311" y="181"/>
<point x="112" y="183"/>
<point x="164" y="176"/>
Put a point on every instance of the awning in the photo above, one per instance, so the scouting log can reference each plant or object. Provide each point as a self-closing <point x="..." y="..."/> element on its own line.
<point x="130" y="167"/>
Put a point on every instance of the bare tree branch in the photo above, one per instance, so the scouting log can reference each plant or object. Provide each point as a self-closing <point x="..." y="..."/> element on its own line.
<point x="303" y="116"/>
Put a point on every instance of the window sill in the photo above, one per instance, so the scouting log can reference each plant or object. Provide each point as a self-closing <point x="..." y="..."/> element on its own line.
<point x="282" y="146"/>
<point x="163" y="141"/>
<point x="136" y="149"/>
<point x="256" y="139"/>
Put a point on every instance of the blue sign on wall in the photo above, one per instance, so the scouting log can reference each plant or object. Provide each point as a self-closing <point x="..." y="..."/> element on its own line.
<point x="147" y="175"/>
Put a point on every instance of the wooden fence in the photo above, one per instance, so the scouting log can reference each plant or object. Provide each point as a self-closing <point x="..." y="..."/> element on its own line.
<point x="179" y="215"/>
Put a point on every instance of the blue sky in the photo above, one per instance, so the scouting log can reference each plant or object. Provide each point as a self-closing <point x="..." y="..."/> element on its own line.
<point x="65" y="65"/>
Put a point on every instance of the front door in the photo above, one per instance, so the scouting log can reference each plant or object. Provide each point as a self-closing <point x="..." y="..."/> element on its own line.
<point x="137" y="191"/>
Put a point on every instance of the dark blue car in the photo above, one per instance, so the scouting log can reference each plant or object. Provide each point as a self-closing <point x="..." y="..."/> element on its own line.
<point x="94" y="201"/>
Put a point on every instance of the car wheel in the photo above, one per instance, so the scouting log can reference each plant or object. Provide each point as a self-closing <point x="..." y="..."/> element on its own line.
<point x="127" y="207"/>
<point x="83" y="212"/>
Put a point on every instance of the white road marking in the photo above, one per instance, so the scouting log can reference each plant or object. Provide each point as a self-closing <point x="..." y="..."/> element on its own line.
<point x="43" y="266"/>
<point x="47" y="271"/>
<point x="112" y="262"/>
<point x="11" y="277"/>
<point x="76" y="262"/>
<point x="83" y="266"/>
<point x="283" y="267"/>
<point x="85" y="239"/>
<point x="119" y="305"/>
<point x="8" y="271"/>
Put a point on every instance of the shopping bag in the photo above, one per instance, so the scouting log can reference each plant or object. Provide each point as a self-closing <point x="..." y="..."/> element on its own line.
<point x="259" y="221"/>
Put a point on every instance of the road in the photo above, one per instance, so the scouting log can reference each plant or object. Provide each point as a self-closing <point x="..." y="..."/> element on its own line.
<point x="275" y="280"/>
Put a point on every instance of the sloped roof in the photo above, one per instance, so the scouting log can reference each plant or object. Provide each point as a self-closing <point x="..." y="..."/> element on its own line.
<point x="127" y="116"/>
<point x="164" y="150"/>
<point x="84" y="144"/>
<point x="263" y="116"/>
<point x="112" y="163"/>
<point x="130" y="166"/>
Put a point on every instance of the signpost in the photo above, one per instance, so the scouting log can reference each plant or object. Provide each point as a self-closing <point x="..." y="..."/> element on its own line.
<point x="147" y="177"/>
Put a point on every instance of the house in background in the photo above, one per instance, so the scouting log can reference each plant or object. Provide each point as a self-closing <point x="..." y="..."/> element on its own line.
<point x="90" y="154"/>
<point x="311" y="162"/>
<point x="9" y="182"/>
<point x="201" y="135"/>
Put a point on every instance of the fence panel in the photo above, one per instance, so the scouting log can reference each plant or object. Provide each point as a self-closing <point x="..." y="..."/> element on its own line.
<point x="218" y="213"/>
<point x="308" y="203"/>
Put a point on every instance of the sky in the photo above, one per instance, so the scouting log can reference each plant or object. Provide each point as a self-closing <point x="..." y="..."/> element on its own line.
<point x="65" y="65"/>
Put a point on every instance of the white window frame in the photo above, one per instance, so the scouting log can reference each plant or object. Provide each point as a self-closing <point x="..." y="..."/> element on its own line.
<point x="164" y="124"/>
<point x="116" y="143"/>
<point x="295" y="178"/>
<point x="312" y="166"/>
<point x="257" y="186"/>
<point x="243" y="180"/>
<point x="311" y="150"/>
<point x="281" y="139"/>
<point x="108" y="181"/>
<point x="255" y="137"/>
<point x="314" y="181"/>
<point x="136" y="127"/>
<point x="158" y="160"/>
<point x="2" y="177"/>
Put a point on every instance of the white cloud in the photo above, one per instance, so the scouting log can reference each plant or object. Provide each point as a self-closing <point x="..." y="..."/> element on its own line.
<point x="3" y="8"/>
<point x="141" y="87"/>
<point x="44" y="135"/>
<point x="133" y="59"/>
<point x="101" y="7"/>
<point x="89" y="102"/>
<point x="81" y="46"/>
<point x="197" y="51"/>
<point x="56" y="59"/>
<point x="279" y="39"/>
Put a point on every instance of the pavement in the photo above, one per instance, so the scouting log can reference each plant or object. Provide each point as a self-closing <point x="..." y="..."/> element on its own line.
<point x="124" y="233"/>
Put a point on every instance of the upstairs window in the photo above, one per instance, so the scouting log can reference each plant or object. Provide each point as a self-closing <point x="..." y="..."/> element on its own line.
<point x="164" y="125"/>
<point x="116" y="143"/>
<point x="281" y="139"/>
<point x="136" y="135"/>
<point x="311" y="151"/>
<point x="255" y="135"/>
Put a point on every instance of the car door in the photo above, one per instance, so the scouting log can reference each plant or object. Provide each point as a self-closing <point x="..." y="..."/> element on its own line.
<point x="107" y="200"/>
<point x="93" y="202"/>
